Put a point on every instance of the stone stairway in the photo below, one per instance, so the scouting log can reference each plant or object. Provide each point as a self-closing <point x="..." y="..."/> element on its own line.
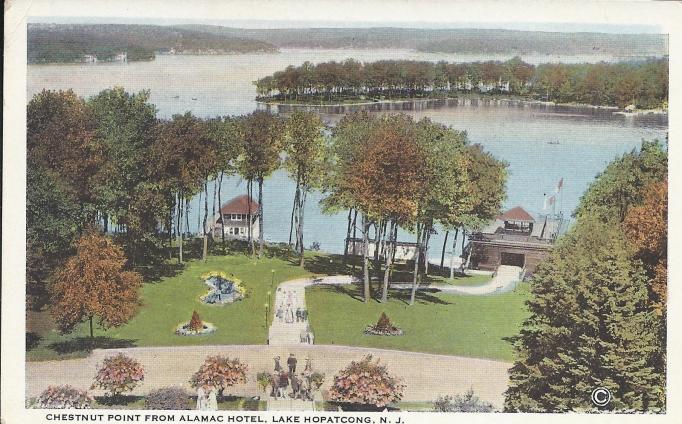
<point x="282" y="332"/>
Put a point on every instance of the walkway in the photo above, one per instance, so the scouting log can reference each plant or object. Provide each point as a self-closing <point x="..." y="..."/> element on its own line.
<point x="426" y="376"/>
<point x="504" y="280"/>
<point x="290" y="296"/>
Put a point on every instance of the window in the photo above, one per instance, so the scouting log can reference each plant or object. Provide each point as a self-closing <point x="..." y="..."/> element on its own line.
<point x="242" y="231"/>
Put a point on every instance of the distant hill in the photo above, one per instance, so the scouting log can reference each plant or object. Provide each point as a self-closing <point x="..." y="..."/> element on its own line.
<point x="454" y="40"/>
<point x="71" y="43"/>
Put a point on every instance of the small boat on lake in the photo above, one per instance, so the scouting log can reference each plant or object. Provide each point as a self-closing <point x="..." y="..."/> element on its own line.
<point x="553" y="142"/>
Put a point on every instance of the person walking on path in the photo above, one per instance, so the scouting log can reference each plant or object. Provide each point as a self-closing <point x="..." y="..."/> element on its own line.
<point x="278" y="367"/>
<point x="291" y="362"/>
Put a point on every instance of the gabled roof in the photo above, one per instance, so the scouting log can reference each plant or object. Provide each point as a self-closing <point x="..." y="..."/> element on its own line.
<point x="240" y="204"/>
<point x="516" y="214"/>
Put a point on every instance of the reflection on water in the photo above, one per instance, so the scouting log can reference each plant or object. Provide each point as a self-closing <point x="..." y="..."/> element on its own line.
<point x="541" y="143"/>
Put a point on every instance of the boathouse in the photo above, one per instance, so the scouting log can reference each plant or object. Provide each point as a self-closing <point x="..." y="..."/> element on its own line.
<point x="515" y="238"/>
<point x="233" y="219"/>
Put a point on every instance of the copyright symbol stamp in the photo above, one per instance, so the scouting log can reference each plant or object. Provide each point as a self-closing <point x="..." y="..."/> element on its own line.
<point x="601" y="396"/>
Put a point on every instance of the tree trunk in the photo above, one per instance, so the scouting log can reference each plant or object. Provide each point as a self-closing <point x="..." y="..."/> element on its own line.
<point x="299" y="231"/>
<point x="293" y="214"/>
<point x="416" y="265"/>
<point x="365" y="254"/>
<point x="452" y="258"/>
<point x="180" y="228"/>
<point x="427" y="239"/>
<point x="92" y="334"/>
<point x="355" y="220"/>
<point x="377" y="241"/>
<point x="260" y="217"/>
<point x="388" y="253"/>
<point x="199" y="210"/>
<point x="220" y="205"/>
<point x="345" y="247"/>
<point x="442" y="255"/>
<point x="251" y="241"/>
<point x="204" y="254"/>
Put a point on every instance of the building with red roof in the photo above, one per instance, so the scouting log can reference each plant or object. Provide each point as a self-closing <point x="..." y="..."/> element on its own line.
<point x="514" y="238"/>
<point x="234" y="217"/>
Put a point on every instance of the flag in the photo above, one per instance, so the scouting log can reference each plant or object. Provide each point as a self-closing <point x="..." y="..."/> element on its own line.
<point x="560" y="185"/>
<point x="549" y="201"/>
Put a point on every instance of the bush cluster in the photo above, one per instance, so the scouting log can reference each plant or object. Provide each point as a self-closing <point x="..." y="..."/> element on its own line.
<point x="64" y="397"/>
<point x="175" y="398"/>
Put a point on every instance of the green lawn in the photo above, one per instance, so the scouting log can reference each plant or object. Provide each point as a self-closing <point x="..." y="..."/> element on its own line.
<point x="438" y="323"/>
<point x="170" y="301"/>
<point x="448" y="324"/>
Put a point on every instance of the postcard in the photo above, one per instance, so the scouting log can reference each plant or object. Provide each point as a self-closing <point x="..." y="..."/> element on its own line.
<point x="310" y="212"/>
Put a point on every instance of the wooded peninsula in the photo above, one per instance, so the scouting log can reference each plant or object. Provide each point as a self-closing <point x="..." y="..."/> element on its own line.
<point x="640" y="84"/>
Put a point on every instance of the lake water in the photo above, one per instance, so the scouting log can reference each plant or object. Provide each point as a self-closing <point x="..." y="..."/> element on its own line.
<point x="519" y="133"/>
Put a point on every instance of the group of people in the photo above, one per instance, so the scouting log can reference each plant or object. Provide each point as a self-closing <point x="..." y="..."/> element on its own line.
<point x="207" y="398"/>
<point x="285" y="311"/>
<point x="301" y="387"/>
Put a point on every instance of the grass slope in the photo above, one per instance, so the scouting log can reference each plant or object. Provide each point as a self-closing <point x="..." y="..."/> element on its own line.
<point x="438" y="323"/>
<point x="170" y="302"/>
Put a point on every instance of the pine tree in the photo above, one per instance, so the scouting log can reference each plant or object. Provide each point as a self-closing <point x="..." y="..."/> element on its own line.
<point x="590" y="326"/>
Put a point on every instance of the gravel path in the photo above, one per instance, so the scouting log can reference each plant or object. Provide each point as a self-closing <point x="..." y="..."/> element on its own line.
<point x="425" y="375"/>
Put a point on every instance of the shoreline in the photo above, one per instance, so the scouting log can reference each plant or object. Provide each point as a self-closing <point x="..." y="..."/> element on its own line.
<point x="614" y="109"/>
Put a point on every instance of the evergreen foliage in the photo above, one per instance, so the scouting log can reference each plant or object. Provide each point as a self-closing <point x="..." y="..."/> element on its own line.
<point x="594" y="322"/>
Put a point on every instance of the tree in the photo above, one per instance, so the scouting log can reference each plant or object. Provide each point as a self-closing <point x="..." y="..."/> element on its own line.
<point x="444" y="186"/>
<point x="261" y="138"/>
<point x="646" y="227"/>
<point x="53" y="223"/>
<point x="305" y="148"/>
<point x="219" y="372"/>
<point x="622" y="183"/>
<point x="179" y="156"/>
<point x="486" y="183"/>
<point x="93" y="283"/>
<point x="350" y="137"/>
<point x="590" y="326"/>
<point x="366" y="382"/>
<point x="123" y="133"/>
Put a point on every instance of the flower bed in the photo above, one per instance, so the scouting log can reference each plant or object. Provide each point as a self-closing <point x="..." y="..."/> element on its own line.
<point x="185" y="329"/>
<point x="223" y="289"/>
<point x="383" y="327"/>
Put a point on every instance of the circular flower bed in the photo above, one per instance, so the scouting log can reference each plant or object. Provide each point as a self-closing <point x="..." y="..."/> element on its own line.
<point x="185" y="329"/>
<point x="383" y="327"/>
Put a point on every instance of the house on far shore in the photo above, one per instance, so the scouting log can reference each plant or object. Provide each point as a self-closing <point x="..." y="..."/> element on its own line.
<point x="233" y="219"/>
<point x="515" y="238"/>
<point x="89" y="58"/>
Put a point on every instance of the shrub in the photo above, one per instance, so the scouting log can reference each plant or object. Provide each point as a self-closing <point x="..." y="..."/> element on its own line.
<point x="64" y="397"/>
<point x="467" y="402"/>
<point x="220" y="372"/>
<point x="383" y="327"/>
<point x="118" y="374"/>
<point x="366" y="382"/>
<point x="263" y="379"/>
<point x="195" y="323"/>
<point x="175" y="398"/>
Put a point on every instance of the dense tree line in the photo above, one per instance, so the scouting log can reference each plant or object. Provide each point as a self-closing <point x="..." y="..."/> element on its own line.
<point x="69" y="43"/>
<point x="643" y="84"/>
<point x="453" y="40"/>
<point x="598" y="311"/>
